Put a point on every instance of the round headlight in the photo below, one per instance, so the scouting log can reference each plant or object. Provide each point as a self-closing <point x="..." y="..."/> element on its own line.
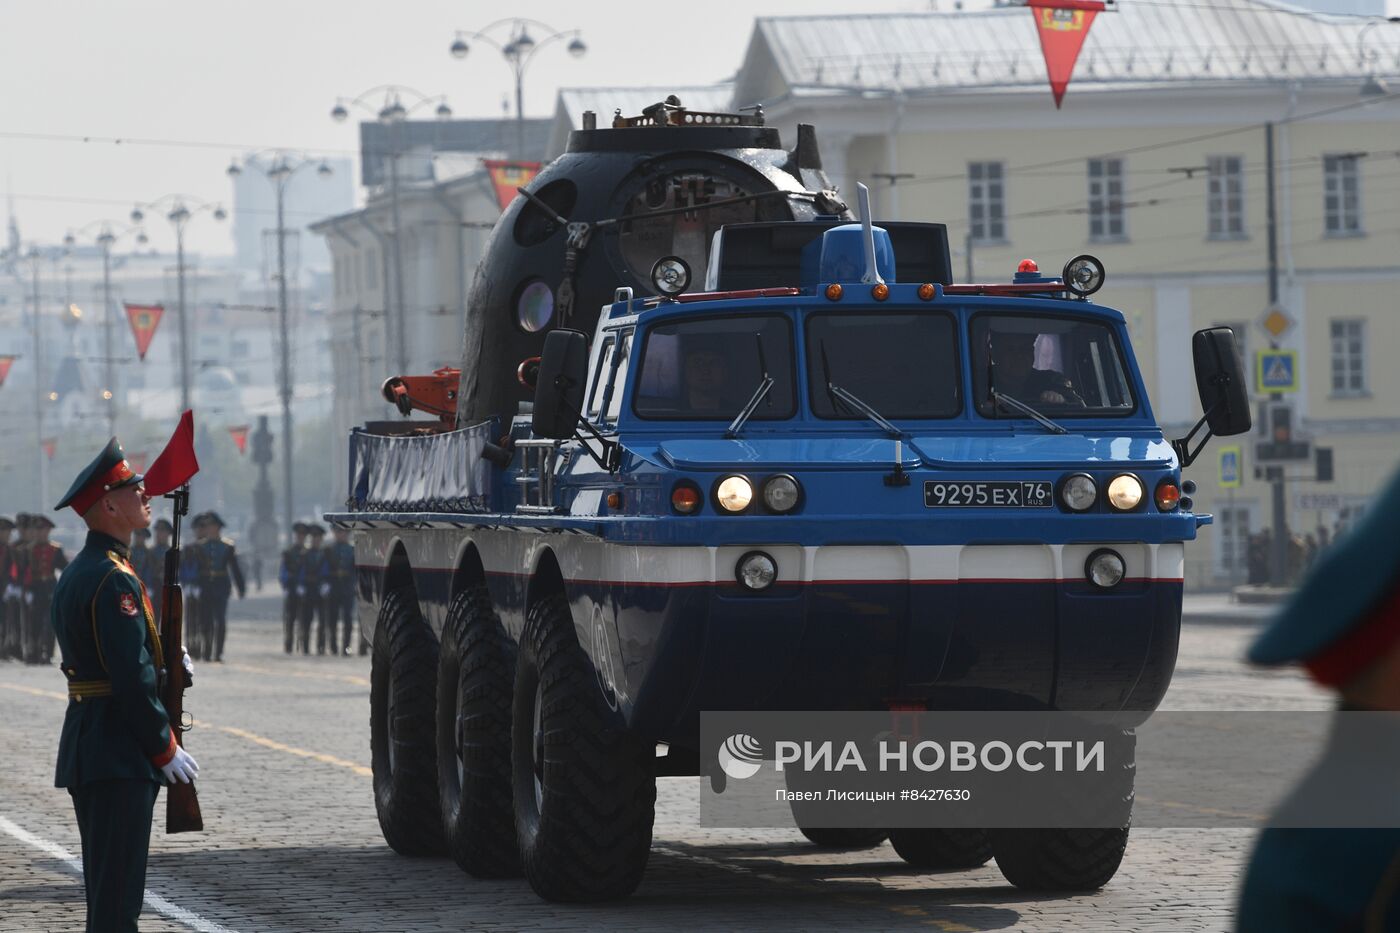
<point x="734" y="493"/>
<point x="1078" y="492"/>
<point x="780" y="493"/>
<point x="756" y="570"/>
<point x="1105" y="569"/>
<point x="670" y="275"/>
<point x="1125" y="492"/>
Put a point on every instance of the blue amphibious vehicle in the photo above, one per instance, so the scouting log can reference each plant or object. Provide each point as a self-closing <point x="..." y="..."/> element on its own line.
<point x="831" y="480"/>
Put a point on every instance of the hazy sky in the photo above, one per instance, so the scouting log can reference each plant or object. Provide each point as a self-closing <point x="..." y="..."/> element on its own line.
<point x="265" y="73"/>
<point x="261" y="73"/>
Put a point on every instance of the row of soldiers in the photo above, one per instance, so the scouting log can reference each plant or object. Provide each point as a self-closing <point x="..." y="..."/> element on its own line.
<point x="209" y="572"/>
<point x="318" y="584"/>
<point x="29" y="570"/>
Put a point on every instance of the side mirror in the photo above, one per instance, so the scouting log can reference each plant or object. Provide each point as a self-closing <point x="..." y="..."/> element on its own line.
<point x="563" y="370"/>
<point x="1220" y="381"/>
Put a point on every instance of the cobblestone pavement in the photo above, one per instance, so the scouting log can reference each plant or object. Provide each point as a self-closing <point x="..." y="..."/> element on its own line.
<point x="292" y="843"/>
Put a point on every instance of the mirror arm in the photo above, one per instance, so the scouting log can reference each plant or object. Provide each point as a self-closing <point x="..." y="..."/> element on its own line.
<point x="608" y="459"/>
<point x="1182" y="445"/>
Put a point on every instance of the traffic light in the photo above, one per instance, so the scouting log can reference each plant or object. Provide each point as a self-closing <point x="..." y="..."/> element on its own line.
<point x="1278" y="442"/>
<point x="1324" y="464"/>
<point x="1281" y="424"/>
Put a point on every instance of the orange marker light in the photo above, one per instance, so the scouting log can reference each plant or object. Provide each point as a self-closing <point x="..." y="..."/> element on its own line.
<point x="685" y="499"/>
<point x="926" y="291"/>
<point x="880" y="292"/>
<point x="1168" y="496"/>
<point x="833" y="292"/>
<point x="614" y="500"/>
<point x="1028" y="265"/>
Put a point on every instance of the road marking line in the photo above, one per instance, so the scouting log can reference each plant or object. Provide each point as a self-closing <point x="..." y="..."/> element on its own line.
<point x="157" y="903"/>
<point x="293" y="750"/>
<point x="33" y="691"/>
<point x="308" y="675"/>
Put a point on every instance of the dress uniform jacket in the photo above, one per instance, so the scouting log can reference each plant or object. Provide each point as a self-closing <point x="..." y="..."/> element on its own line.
<point x="115" y="726"/>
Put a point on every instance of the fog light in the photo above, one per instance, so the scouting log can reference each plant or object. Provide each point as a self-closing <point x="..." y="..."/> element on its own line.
<point x="734" y="493"/>
<point x="756" y="570"/>
<point x="780" y="493"/>
<point x="1125" y="492"/>
<point x="1105" y="569"/>
<point x="1078" y="492"/>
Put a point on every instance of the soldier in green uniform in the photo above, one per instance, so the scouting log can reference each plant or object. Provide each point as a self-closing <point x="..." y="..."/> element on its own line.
<point x="46" y="560"/>
<point x="154" y="577"/>
<point x="220" y="572"/>
<point x="9" y="637"/>
<point x="14" y="587"/>
<point x="293" y="585"/>
<point x="116" y="747"/>
<point x="1343" y="627"/>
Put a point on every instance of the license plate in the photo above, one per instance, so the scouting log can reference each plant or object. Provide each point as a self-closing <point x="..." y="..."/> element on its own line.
<point x="988" y="495"/>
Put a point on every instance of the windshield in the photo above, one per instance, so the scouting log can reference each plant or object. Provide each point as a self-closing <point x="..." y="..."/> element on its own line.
<point x="1063" y="367"/>
<point x="901" y="364"/>
<point x="708" y="369"/>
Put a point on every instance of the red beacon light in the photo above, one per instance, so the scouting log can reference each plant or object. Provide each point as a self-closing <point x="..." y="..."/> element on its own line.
<point x="1028" y="265"/>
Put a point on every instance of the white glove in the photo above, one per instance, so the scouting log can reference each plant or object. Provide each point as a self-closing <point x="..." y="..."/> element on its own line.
<point x="301" y="590"/>
<point x="188" y="665"/>
<point x="28" y="598"/>
<point x="182" y="768"/>
<point x="12" y="592"/>
<point x="325" y="589"/>
<point x="194" y="592"/>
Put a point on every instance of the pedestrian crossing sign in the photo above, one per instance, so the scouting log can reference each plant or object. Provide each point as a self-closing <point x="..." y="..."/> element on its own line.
<point x="1276" y="371"/>
<point x="1229" y="467"/>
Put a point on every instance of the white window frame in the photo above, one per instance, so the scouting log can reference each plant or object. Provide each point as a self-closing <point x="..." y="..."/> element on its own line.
<point x="1341" y="197"/>
<point x="1225" y="218"/>
<point x="1108" y="222"/>
<point x="986" y="202"/>
<point x="1348" y="346"/>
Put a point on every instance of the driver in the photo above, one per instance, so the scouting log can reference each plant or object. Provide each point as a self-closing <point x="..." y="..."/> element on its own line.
<point x="1013" y="353"/>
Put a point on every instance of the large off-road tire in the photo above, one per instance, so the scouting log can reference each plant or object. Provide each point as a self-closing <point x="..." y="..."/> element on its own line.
<point x="833" y="837"/>
<point x="1073" y="859"/>
<point x="1059" y="859"/>
<point x="476" y="674"/>
<point x="584" y="786"/>
<point x="402" y="712"/>
<point x="942" y="848"/>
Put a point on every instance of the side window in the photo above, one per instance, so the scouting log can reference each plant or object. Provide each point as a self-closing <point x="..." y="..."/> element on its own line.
<point x="599" y="380"/>
<point x="619" y="379"/>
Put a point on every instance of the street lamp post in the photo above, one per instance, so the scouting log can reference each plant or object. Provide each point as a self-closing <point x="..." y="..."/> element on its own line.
<point x="392" y="113"/>
<point x="179" y="212"/>
<point x="105" y="238"/>
<point x="518" y="52"/>
<point x="283" y="165"/>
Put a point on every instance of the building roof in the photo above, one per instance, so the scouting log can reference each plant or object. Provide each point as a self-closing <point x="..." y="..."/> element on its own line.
<point x="573" y="101"/>
<point x="421" y="138"/>
<point x="1142" y="42"/>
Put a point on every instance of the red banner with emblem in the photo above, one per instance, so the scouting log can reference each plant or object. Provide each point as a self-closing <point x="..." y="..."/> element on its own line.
<point x="240" y="437"/>
<point x="507" y="176"/>
<point x="5" y="363"/>
<point x="50" y="444"/>
<point x="144" y="320"/>
<point x="1063" y="26"/>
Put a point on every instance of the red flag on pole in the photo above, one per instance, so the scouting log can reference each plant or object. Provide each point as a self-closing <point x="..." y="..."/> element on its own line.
<point x="5" y="363"/>
<point x="240" y="437"/>
<point x="144" y="320"/>
<point x="1063" y="26"/>
<point x="507" y="176"/>
<point x="50" y="444"/>
<point x="176" y="463"/>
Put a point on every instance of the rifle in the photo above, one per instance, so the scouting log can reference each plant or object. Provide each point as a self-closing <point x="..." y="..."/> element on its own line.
<point x="181" y="802"/>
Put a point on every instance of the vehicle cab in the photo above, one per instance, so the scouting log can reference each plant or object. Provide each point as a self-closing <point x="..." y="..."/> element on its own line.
<point x="851" y="484"/>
